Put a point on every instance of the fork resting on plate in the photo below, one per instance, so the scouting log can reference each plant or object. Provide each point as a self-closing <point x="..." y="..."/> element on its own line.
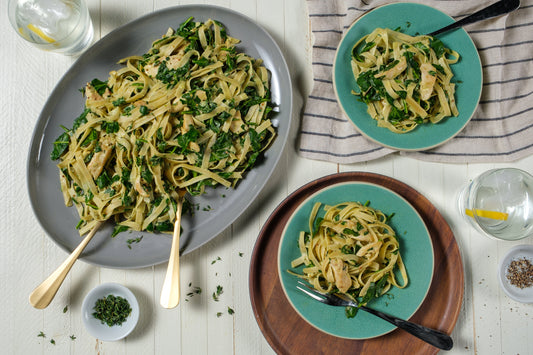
<point x="434" y="337"/>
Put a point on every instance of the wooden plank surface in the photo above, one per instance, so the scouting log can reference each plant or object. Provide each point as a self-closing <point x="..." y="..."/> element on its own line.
<point x="489" y="322"/>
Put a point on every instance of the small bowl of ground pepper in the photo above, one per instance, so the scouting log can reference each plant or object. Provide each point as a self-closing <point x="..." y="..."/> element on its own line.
<point x="516" y="273"/>
<point x="110" y="312"/>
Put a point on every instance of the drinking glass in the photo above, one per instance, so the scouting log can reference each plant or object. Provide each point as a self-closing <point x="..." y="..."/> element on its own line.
<point x="61" y="26"/>
<point x="499" y="203"/>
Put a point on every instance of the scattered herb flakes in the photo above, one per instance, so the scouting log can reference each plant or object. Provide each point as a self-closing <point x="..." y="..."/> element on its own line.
<point x="112" y="310"/>
<point x="219" y="314"/>
<point x="194" y="291"/>
<point x="52" y="341"/>
<point x="230" y="311"/>
<point x="207" y="208"/>
<point x="134" y="240"/>
<point x="65" y="309"/>
<point x="217" y="259"/>
<point x="72" y="337"/>
<point x="217" y="293"/>
<point x="241" y="254"/>
<point x="41" y="334"/>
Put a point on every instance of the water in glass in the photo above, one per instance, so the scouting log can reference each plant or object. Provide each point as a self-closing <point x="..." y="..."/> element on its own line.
<point x="62" y="26"/>
<point x="505" y="191"/>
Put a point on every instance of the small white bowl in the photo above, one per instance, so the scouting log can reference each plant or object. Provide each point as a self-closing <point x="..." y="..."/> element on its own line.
<point x="524" y="295"/>
<point x="102" y="331"/>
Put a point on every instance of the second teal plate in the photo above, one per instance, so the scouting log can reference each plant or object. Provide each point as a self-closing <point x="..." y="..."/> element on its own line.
<point x="416" y="249"/>
<point x="413" y="19"/>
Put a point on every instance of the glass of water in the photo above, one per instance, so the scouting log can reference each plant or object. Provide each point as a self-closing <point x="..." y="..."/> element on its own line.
<point x="499" y="203"/>
<point x="61" y="26"/>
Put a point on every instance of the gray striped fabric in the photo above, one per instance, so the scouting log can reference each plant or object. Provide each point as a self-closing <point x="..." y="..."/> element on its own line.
<point x="502" y="126"/>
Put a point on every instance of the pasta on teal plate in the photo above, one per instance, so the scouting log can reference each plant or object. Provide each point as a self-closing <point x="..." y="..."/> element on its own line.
<point x="410" y="19"/>
<point x="416" y="250"/>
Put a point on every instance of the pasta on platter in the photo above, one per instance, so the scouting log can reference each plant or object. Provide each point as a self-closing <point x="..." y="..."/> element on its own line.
<point x="191" y="112"/>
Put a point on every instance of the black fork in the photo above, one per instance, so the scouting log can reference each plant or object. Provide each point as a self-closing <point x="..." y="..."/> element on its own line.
<point x="434" y="337"/>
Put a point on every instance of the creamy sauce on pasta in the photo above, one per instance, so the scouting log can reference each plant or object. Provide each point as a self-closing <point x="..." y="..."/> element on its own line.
<point x="191" y="112"/>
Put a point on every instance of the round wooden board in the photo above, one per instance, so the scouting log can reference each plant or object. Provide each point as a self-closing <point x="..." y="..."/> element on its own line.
<point x="288" y="333"/>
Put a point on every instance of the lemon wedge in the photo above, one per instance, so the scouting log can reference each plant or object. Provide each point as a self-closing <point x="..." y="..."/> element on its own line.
<point x="40" y="33"/>
<point x="488" y="214"/>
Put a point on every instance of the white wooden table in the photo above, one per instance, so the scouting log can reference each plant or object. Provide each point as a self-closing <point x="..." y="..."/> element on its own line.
<point x="489" y="323"/>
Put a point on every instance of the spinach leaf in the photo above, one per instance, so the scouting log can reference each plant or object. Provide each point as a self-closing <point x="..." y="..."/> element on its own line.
<point x="190" y="136"/>
<point x="118" y="229"/>
<point x="80" y="120"/>
<point x="375" y="290"/>
<point x="172" y="76"/>
<point x="99" y="86"/>
<point x="103" y="180"/>
<point x="437" y="45"/>
<point x="350" y="312"/>
<point x="110" y="126"/>
<point x="60" y="146"/>
<point x="221" y="147"/>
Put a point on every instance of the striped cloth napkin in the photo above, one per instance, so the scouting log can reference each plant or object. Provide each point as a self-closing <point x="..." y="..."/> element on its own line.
<point x="501" y="129"/>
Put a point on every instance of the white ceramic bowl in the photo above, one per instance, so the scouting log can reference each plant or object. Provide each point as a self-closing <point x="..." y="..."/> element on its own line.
<point x="524" y="295"/>
<point x="102" y="331"/>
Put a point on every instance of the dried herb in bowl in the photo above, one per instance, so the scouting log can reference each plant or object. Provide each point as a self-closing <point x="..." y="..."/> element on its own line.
<point x="112" y="310"/>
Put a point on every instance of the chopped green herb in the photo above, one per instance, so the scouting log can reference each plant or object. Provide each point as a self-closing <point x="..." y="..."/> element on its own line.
<point x="134" y="240"/>
<point x="112" y="310"/>
<point x="217" y="293"/>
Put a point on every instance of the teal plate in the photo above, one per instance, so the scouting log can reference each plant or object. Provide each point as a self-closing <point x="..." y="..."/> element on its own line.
<point x="412" y="19"/>
<point x="415" y="246"/>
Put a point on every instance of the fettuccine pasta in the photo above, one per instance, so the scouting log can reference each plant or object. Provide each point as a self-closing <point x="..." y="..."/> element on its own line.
<point x="404" y="80"/>
<point x="351" y="250"/>
<point x="190" y="113"/>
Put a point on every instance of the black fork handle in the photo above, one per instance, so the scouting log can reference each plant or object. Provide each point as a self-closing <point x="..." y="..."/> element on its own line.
<point x="434" y="337"/>
<point x="499" y="8"/>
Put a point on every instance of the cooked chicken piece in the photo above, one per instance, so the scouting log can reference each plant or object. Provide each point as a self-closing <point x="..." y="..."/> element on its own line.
<point x="99" y="159"/>
<point x="394" y="71"/>
<point x="91" y="93"/>
<point x="140" y="103"/>
<point x="428" y="80"/>
<point x="237" y="123"/>
<point x="187" y="122"/>
<point x="173" y="60"/>
<point x="194" y="147"/>
<point x="177" y="105"/>
<point x="201" y="95"/>
<point x="171" y="63"/>
<point x="342" y="278"/>
<point x="139" y="188"/>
